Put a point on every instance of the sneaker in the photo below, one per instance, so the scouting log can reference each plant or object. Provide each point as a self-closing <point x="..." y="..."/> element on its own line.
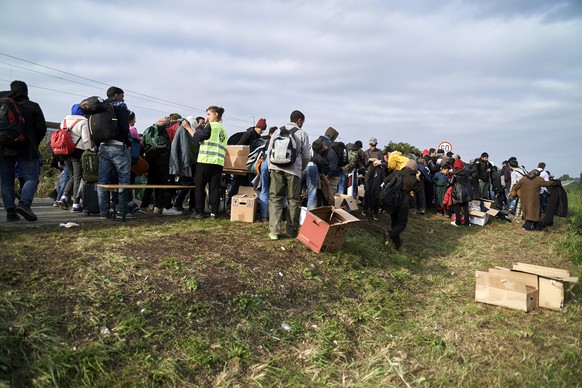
<point x="273" y="236"/>
<point x="364" y="213"/>
<point x="375" y="217"/>
<point x="56" y="204"/>
<point x="158" y="211"/>
<point x="179" y="208"/>
<point x="145" y="210"/>
<point x="63" y="205"/>
<point x="11" y="215"/>
<point x="76" y="208"/>
<point x="26" y="212"/>
<point x="171" y="212"/>
<point x="106" y="216"/>
<point x="454" y="223"/>
<point x="213" y="216"/>
<point x="132" y="207"/>
<point x="119" y="216"/>
<point x="197" y="216"/>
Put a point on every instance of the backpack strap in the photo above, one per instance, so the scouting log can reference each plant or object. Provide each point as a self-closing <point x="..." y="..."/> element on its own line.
<point x="71" y="127"/>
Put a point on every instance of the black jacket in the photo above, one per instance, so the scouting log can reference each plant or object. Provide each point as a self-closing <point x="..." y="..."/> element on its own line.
<point x="35" y="130"/>
<point x="250" y="138"/>
<point x="327" y="163"/>
<point x="462" y="186"/>
<point x="409" y="181"/>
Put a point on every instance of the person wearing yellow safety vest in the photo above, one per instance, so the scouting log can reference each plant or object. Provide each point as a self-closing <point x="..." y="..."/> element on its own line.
<point x="210" y="161"/>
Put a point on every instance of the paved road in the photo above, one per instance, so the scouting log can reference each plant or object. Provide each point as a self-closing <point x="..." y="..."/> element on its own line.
<point x="49" y="216"/>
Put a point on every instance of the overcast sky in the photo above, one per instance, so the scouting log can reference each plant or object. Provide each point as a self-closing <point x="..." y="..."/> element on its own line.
<point x="499" y="76"/>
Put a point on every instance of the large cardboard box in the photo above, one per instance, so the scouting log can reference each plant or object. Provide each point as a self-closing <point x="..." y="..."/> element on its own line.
<point x="487" y="206"/>
<point x="236" y="157"/>
<point x="348" y="202"/>
<point x="478" y="218"/>
<point x="554" y="284"/>
<point x="244" y="205"/>
<point x="506" y="288"/>
<point x="325" y="228"/>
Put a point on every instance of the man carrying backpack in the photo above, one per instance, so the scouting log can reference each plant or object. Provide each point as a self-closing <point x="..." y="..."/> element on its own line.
<point x="114" y="154"/>
<point x="23" y="153"/>
<point x="288" y="155"/>
<point x="399" y="217"/>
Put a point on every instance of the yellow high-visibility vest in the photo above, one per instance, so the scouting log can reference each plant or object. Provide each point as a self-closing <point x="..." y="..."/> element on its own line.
<point x="213" y="150"/>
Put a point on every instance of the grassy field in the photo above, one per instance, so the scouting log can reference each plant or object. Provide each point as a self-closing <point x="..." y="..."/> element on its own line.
<point x="176" y="302"/>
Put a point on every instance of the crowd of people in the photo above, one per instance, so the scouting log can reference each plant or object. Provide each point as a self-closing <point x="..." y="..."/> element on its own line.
<point x="287" y="170"/>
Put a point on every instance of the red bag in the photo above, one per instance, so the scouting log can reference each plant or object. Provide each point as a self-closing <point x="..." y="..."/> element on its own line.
<point x="62" y="142"/>
<point x="11" y="122"/>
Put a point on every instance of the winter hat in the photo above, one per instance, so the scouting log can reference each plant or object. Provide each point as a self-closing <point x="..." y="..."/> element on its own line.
<point x="358" y="144"/>
<point x="424" y="152"/>
<point x="411" y="164"/>
<point x="76" y="110"/>
<point x="373" y="141"/>
<point x="458" y="164"/>
<point x="261" y="123"/>
<point x="174" y="116"/>
<point x="331" y="133"/>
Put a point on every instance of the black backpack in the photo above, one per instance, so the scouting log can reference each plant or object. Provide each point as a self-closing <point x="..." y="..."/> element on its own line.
<point x="391" y="194"/>
<point x="235" y="137"/>
<point x="11" y="121"/>
<point x="285" y="147"/>
<point x="342" y="153"/>
<point x="103" y="125"/>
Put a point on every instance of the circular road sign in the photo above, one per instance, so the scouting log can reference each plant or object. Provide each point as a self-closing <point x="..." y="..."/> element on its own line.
<point x="446" y="146"/>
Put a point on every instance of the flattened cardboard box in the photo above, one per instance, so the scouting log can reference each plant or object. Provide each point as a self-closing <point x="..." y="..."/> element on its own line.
<point x="343" y="201"/>
<point x="325" y="228"/>
<point x="236" y="157"/>
<point x="487" y="204"/>
<point x="505" y="288"/>
<point x="244" y="205"/>
<point x="554" y="284"/>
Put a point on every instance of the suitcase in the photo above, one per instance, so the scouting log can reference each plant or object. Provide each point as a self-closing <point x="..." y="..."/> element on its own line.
<point x="90" y="198"/>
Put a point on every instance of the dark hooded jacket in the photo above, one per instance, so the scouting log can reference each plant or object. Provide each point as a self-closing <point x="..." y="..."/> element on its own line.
<point x="463" y="191"/>
<point x="331" y="133"/>
<point x="35" y="130"/>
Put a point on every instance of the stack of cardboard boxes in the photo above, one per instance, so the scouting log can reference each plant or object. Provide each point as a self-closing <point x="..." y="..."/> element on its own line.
<point x="524" y="287"/>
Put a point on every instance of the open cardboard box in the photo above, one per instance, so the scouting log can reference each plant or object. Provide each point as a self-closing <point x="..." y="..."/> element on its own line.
<point x="244" y="205"/>
<point x="554" y="284"/>
<point x="325" y="228"/>
<point x="524" y="287"/>
<point x="236" y="157"/>
<point x="343" y="201"/>
<point x="502" y="287"/>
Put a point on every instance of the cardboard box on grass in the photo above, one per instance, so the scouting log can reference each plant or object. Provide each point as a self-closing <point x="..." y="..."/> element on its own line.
<point x="244" y="205"/>
<point x="325" y="228"/>
<point x="476" y="214"/>
<point x="343" y="201"/>
<point x="554" y="284"/>
<point x="236" y="157"/>
<point x="502" y="287"/>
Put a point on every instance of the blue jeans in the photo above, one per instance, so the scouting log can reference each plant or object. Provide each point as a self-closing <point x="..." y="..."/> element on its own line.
<point x="343" y="181"/>
<point x="265" y="178"/>
<point x="63" y="184"/>
<point x="310" y="178"/>
<point x="29" y="170"/>
<point x="114" y="167"/>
